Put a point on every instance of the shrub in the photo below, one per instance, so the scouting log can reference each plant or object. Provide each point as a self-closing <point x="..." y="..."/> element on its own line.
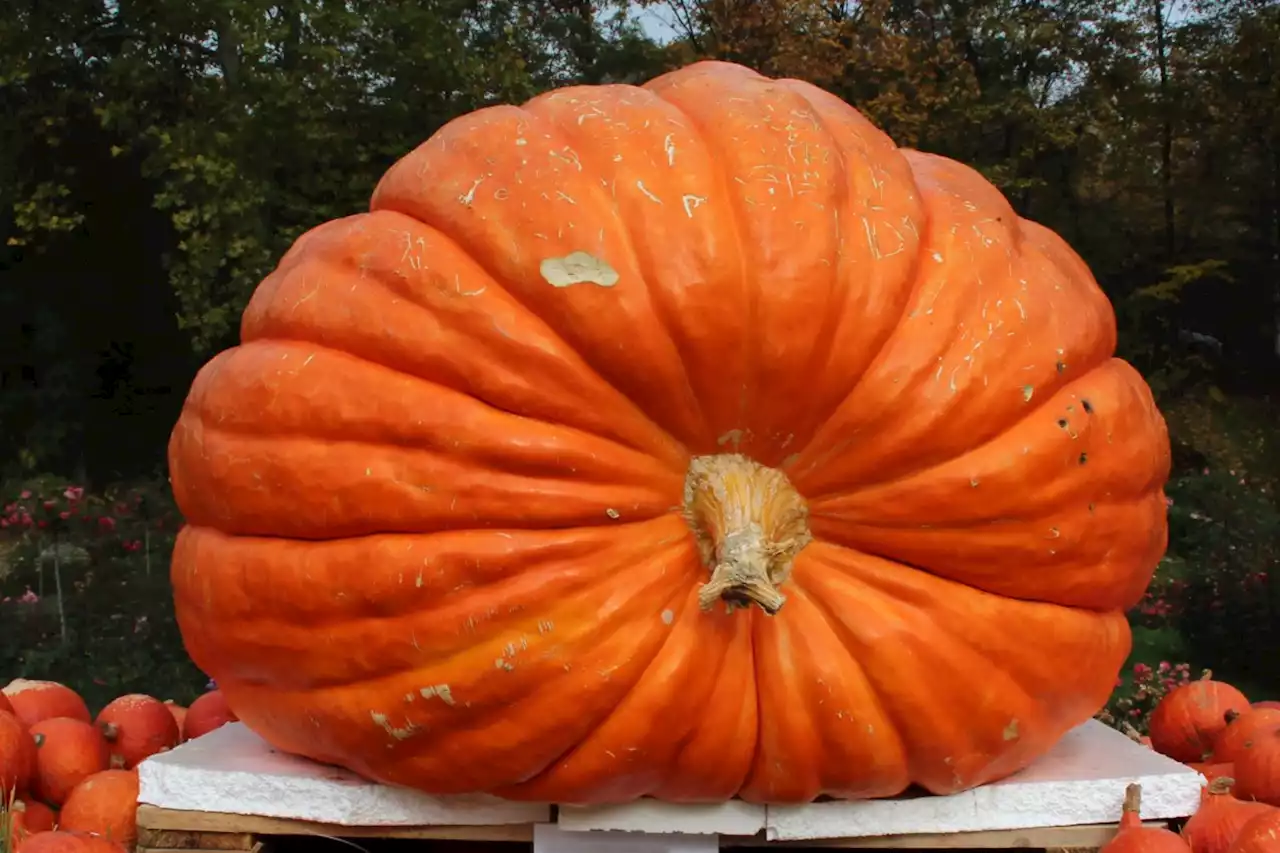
<point x="1136" y="696"/>
<point x="1227" y="533"/>
<point x="84" y="590"/>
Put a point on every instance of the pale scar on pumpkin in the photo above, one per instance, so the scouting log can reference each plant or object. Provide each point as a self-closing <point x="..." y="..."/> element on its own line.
<point x="750" y="523"/>
<point x="578" y="268"/>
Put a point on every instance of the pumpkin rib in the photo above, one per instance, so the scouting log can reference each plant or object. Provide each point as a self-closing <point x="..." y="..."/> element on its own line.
<point x="318" y="493"/>
<point x="894" y="619"/>
<point x="1067" y="571"/>
<point x="537" y="573"/>
<point x="830" y="111"/>
<point x="648" y="341"/>
<point x="489" y="460"/>
<point x="346" y="286"/>
<point x="356" y="426"/>
<point x="611" y="750"/>
<point x="525" y="672"/>
<point x="707" y="97"/>
<point x="543" y="107"/>
<point x="1051" y="437"/>
<point x="974" y="354"/>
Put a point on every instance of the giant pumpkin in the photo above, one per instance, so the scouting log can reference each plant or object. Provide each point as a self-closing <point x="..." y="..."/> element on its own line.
<point x="688" y="440"/>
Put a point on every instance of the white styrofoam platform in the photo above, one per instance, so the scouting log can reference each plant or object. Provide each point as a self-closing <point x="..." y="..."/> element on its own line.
<point x="232" y="770"/>
<point x="1081" y="781"/>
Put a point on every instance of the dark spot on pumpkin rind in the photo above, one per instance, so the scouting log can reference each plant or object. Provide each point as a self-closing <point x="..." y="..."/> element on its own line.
<point x="1088" y="407"/>
<point x="1092" y="507"/>
<point x="1062" y="422"/>
<point x="1084" y="457"/>
<point x="1062" y="366"/>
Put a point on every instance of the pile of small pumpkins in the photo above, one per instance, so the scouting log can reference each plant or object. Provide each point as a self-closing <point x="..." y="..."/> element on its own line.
<point x="70" y="780"/>
<point x="1211" y="726"/>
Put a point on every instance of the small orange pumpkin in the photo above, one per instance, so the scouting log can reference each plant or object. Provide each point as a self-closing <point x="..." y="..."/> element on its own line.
<point x="5" y="705"/>
<point x="1220" y="817"/>
<point x="1240" y="730"/>
<point x="35" y="701"/>
<point x="1133" y="837"/>
<point x="104" y="804"/>
<point x="137" y="727"/>
<point x="29" y="817"/>
<point x="60" y="841"/>
<point x="1261" y="834"/>
<point x="179" y="713"/>
<point x="210" y="711"/>
<point x="67" y="752"/>
<point x="1257" y="767"/>
<point x="17" y="757"/>
<point x="1190" y="717"/>
<point x="689" y="440"/>
<point x="1212" y="771"/>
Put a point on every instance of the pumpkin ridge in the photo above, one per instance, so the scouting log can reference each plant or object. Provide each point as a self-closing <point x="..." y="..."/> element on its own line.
<point x="916" y="619"/>
<point x="541" y="106"/>
<point x="618" y="736"/>
<point x="619" y="645"/>
<point x="841" y="631"/>
<point x="418" y="207"/>
<point x="841" y="291"/>
<point x="819" y="102"/>
<point x="978" y="345"/>
<point x="385" y="290"/>
<point x="355" y="623"/>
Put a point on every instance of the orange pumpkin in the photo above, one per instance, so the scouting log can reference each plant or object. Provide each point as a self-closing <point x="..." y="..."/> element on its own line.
<point x="29" y="817"/>
<point x="35" y="701"/>
<point x="208" y="712"/>
<point x="1134" y="837"/>
<point x="1240" y="730"/>
<point x="1257" y="767"/>
<point x="67" y="842"/>
<point x="6" y="705"/>
<point x="137" y="727"/>
<point x="179" y="714"/>
<point x="687" y="440"/>
<point x="1190" y="718"/>
<point x="104" y="804"/>
<point x="1220" y="817"/>
<point x="1260" y="835"/>
<point x="67" y="752"/>
<point x="17" y="757"/>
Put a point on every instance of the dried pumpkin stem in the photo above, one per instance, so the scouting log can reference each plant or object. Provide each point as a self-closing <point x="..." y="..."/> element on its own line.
<point x="750" y="523"/>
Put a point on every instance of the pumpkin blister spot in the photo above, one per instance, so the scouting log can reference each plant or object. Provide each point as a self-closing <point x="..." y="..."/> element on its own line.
<point x="578" y="268"/>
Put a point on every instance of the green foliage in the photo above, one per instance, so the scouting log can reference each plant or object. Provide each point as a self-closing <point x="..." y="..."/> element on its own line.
<point x="1228" y="533"/>
<point x="1139" y="690"/>
<point x="98" y="564"/>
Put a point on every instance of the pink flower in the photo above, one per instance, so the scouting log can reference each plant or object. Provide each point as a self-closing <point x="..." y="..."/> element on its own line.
<point x="25" y="495"/>
<point x="107" y="523"/>
<point x="74" y="493"/>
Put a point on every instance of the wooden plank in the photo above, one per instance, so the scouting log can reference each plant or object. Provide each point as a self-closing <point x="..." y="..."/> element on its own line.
<point x="182" y="839"/>
<point x="153" y="817"/>
<point x="995" y="839"/>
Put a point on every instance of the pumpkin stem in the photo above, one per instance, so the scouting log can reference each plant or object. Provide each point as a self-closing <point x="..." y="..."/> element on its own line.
<point x="750" y="523"/>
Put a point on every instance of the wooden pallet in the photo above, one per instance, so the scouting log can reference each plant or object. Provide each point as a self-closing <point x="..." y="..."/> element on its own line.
<point x="172" y="831"/>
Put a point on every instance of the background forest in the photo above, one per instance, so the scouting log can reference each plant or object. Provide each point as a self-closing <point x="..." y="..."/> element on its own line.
<point x="158" y="156"/>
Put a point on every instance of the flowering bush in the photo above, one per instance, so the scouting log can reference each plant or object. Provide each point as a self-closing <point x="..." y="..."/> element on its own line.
<point x="1226" y="531"/>
<point x="84" y="589"/>
<point x="1136" y="697"/>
